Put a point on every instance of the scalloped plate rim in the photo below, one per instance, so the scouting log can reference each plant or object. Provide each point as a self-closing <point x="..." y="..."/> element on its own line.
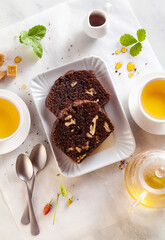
<point x="43" y="76"/>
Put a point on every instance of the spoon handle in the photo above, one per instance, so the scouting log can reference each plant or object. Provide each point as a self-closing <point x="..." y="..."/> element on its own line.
<point x="25" y="216"/>
<point x="34" y="225"/>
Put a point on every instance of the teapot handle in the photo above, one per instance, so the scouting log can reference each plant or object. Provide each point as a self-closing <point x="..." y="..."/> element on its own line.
<point x="107" y="7"/>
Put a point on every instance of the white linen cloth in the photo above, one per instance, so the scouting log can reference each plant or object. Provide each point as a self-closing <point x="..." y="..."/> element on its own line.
<point x="100" y="198"/>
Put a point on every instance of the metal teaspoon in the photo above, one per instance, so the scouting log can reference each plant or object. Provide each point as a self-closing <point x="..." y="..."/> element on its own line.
<point x="24" y="171"/>
<point x="38" y="159"/>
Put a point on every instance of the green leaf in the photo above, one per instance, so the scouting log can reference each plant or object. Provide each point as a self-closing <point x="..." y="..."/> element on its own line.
<point x="63" y="191"/>
<point x="127" y="40"/>
<point x="136" y="49"/>
<point x="37" y="48"/>
<point x="141" y="34"/>
<point x="24" y="38"/>
<point x="37" y="32"/>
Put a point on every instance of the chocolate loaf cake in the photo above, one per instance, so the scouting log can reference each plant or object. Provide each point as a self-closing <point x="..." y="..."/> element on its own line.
<point x="73" y="86"/>
<point x="80" y="129"/>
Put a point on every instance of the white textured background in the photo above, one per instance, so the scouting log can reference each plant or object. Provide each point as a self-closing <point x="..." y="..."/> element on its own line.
<point x="150" y="14"/>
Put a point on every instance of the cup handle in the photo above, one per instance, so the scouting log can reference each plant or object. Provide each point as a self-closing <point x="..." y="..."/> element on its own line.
<point x="107" y="7"/>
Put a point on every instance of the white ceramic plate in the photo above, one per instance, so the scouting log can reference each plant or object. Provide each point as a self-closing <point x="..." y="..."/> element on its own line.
<point x="116" y="147"/>
<point x="133" y="102"/>
<point x="14" y="142"/>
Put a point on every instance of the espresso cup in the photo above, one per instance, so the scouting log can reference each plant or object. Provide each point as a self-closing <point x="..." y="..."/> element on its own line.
<point x="152" y="100"/>
<point x="96" y="23"/>
<point x="11" y="117"/>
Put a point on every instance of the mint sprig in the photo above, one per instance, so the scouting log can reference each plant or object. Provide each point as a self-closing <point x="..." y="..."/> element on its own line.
<point x="32" y="38"/>
<point x="128" y="40"/>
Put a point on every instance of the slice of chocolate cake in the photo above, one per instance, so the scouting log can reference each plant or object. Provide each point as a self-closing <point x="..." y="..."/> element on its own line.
<point x="80" y="129"/>
<point x="73" y="86"/>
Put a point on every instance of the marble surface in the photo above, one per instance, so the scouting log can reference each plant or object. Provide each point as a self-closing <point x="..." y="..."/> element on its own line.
<point x="150" y="14"/>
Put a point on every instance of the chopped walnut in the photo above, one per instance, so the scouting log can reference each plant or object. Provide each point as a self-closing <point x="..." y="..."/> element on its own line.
<point x="81" y="157"/>
<point x="93" y="126"/>
<point x="89" y="135"/>
<point x="86" y="146"/>
<point x="73" y="83"/>
<point x="78" y="149"/>
<point x="68" y="117"/>
<point x="70" y="149"/>
<point x="72" y="121"/>
<point x="91" y="91"/>
<point x="106" y="126"/>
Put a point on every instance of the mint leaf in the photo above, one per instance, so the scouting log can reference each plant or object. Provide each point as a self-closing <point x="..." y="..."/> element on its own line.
<point x="136" y="49"/>
<point x="24" y="38"/>
<point x="141" y="34"/>
<point x="37" y="32"/>
<point x="127" y="40"/>
<point x="63" y="191"/>
<point x="32" y="38"/>
<point x="37" y="48"/>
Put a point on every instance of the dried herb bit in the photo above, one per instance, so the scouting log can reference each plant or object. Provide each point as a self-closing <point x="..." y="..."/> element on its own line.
<point x="128" y="40"/>
<point x="32" y="38"/>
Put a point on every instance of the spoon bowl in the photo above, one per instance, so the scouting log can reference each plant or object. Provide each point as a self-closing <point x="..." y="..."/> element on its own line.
<point x="24" y="168"/>
<point x="38" y="157"/>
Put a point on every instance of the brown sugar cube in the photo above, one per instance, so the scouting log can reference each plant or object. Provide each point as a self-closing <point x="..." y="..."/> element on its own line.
<point x="2" y="75"/>
<point x="12" y="70"/>
<point x="1" y="58"/>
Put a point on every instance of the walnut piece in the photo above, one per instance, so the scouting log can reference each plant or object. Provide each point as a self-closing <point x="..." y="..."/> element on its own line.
<point x="93" y="126"/>
<point x="72" y="121"/>
<point x="68" y="117"/>
<point x="78" y="149"/>
<point x="70" y="149"/>
<point x="89" y="135"/>
<point x="86" y="146"/>
<point x="91" y="91"/>
<point x="106" y="126"/>
<point x="73" y="83"/>
<point x="81" y="157"/>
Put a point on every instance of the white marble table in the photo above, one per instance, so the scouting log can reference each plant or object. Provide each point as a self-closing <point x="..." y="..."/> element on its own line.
<point x="151" y="16"/>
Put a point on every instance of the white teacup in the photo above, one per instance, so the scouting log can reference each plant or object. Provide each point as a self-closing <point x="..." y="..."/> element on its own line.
<point x="146" y="119"/>
<point x="9" y="112"/>
<point x="96" y="23"/>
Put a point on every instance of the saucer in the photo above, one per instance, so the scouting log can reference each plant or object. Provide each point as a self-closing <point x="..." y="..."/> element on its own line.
<point x="12" y="143"/>
<point x="133" y="103"/>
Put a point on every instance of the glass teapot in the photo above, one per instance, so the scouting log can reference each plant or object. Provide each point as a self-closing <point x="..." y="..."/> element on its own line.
<point x="145" y="179"/>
